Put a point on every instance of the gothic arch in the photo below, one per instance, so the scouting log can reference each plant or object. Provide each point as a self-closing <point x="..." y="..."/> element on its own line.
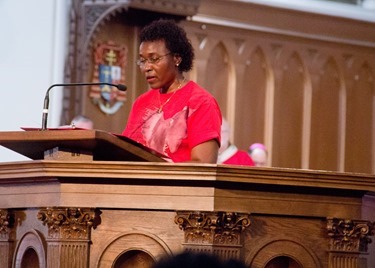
<point x="325" y="123"/>
<point x="288" y="114"/>
<point x="360" y="121"/>
<point x="219" y="73"/>
<point x="103" y="16"/>
<point x="96" y="16"/>
<point x="251" y="95"/>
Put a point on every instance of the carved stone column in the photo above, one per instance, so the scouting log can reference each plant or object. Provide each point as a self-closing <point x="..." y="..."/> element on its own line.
<point x="215" y="232"/>
<point x="69" y="234"/>
<point x="348" y="242"/>
<point x="6" y="241"/>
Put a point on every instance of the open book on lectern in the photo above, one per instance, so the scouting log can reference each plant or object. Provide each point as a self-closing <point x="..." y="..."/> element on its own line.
<point x="68" y="143"/>
<point x="129" y="140"/>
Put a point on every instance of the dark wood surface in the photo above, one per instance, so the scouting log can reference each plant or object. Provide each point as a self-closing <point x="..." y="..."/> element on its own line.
<point x="103" y="145"/>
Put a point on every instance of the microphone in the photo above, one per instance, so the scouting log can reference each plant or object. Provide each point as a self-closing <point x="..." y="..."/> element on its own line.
<point x="46" y="98"/>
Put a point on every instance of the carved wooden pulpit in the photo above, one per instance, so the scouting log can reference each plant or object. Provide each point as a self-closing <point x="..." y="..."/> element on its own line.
<point x="93" y="199"/>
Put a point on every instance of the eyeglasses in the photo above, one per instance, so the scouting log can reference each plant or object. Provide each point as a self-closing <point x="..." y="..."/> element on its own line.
<point x="154" y="60"/>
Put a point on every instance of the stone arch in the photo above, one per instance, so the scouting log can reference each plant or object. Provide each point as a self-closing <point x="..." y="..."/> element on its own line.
<point x="136" y="241"/>
<point x="31" y="240"/>
<point x="288" y="248"/>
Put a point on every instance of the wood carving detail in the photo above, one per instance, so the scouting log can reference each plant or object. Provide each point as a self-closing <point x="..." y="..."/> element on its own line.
<point x="220" y="228"/>
<point x="69" y="223"/>
<point x="349" y="235"/>
<point x="93" y="13"/>
<point x="6" y="222"/>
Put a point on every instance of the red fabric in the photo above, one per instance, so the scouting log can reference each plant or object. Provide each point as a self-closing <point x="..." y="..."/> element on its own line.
<point x="190" y="117"/>
<point x="240" y="158"/>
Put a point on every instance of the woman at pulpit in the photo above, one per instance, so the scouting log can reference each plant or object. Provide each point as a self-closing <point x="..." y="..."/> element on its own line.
<point x="176" y="117"/>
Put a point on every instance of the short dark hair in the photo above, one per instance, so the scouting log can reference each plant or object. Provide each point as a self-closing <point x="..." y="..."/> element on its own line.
<point x="175" y="39"/>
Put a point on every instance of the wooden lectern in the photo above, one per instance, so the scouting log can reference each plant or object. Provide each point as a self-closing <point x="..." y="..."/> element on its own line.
<point x="76" y="144"/>
<point x="93" y="199"/>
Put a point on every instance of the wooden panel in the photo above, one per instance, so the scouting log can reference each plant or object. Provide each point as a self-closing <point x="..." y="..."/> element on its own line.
<point x="251" y="101"/>
<point x="135" y="205"/>
<point x="217" y="76"/>
<point x="125" y="37"/>
<point x="288" y="115"/>
<point x="360" y="122"/>
<point x="324" y="148"/>
<point x="274" y="236"/>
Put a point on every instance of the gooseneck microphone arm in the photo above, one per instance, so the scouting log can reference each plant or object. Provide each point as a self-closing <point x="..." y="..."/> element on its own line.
<point x="46" y="98"/>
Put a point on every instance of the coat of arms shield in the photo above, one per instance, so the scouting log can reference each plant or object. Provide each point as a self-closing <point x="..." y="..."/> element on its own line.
<point x="110" y="63"/>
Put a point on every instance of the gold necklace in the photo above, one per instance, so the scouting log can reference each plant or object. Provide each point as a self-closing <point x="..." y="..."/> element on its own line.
<point x="174" y="92"/>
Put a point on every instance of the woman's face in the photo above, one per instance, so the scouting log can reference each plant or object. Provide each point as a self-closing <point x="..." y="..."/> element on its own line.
<point x="158" y="64"/>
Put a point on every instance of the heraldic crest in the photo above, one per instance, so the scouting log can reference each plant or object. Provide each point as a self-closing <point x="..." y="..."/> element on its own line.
<point x="110" y="63"/>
